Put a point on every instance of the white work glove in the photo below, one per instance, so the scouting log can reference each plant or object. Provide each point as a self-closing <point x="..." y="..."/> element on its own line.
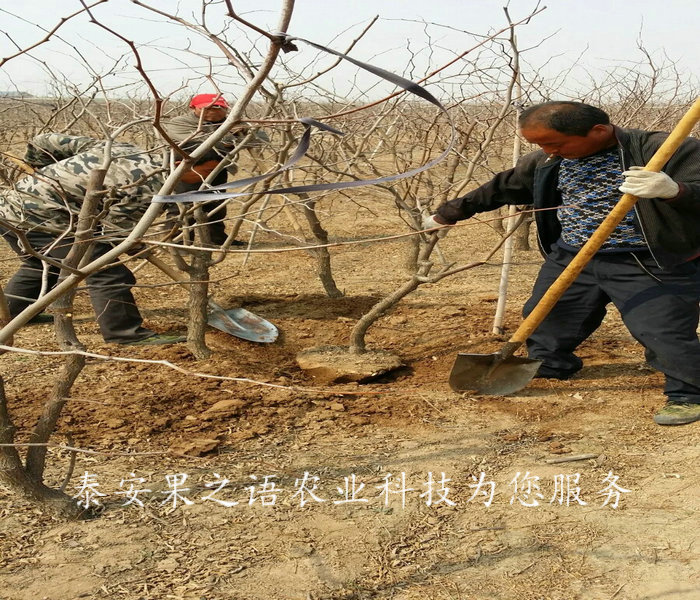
<point x="648" y="184"/>
<point x="429" y="222"/>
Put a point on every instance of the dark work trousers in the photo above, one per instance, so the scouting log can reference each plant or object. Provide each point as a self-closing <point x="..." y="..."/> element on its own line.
<point x="216" y="223"/>
<point x="659" y="307"/>
<point x="109" y="289"/>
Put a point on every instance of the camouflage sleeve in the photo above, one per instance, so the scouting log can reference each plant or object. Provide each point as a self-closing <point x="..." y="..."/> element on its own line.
<point x="132" y="182"/>
<point x="49" y="148"/>
<point x="189" y="133"/>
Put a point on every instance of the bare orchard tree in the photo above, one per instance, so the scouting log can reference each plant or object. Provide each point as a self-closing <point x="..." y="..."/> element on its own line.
<point x="482" y="124"/>
<point x="401" y="133"/>
<point x="26" y="476"/>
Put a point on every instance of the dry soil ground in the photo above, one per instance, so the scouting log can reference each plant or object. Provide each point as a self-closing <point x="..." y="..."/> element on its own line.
<point x="409" y="425"/>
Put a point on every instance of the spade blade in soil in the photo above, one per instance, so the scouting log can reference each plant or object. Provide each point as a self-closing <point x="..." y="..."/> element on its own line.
<point x="242" y="323"/>
<point x="491" y="373"/>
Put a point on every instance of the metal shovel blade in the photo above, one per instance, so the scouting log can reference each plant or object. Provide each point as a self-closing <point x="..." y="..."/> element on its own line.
<point x="491" y="373"/>
<point x="242" y="323"/>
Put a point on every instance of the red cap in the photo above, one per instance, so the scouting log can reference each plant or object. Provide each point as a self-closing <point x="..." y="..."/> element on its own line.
<point x="208" y="100"/>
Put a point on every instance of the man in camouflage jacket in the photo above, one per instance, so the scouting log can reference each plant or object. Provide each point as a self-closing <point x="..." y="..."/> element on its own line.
<point x="44" y="206"/>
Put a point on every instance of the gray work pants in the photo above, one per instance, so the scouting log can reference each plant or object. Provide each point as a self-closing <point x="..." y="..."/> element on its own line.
<point x="110" y="289"/>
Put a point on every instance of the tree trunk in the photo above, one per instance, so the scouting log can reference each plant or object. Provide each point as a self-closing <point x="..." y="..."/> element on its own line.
<point x="62" y="310"/>
<point x="198" y="305"/>
<point x="15" y="477"/>
<point x="359" y="331"/>
<point x="521" y="237"/>
<point x="323" y="256"/>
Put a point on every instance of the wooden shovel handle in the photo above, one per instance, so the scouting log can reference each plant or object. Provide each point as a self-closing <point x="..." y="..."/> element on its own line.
<point x="584" y="255"/>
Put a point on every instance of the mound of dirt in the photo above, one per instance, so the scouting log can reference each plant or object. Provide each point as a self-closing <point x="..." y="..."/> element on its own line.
<point x="336" y="364"/>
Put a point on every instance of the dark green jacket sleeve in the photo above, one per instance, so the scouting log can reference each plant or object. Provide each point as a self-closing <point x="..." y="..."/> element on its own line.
<point x="514" y="186"/>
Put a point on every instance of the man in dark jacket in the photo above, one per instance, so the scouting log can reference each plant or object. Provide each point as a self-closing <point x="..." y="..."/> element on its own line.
<point x="649" y="268"/>
<point x="208" y="112"/>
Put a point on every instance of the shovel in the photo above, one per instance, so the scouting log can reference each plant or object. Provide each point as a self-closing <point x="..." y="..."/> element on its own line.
<point x="502" y="373"/>
<point x="234" y="321"/>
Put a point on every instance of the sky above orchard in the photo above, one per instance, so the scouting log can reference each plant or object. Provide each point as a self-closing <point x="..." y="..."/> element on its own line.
<point x="581" y="39"/>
